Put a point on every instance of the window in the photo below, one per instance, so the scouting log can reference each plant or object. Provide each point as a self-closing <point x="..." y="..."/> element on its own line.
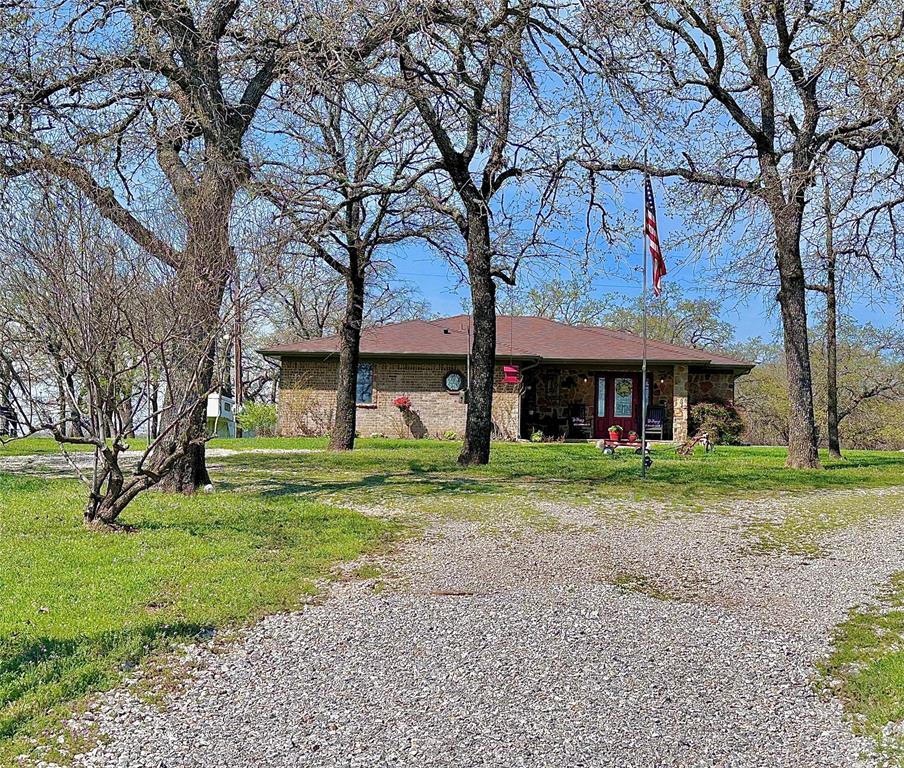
<point x="364" y="390"/>
<point x="600" y="397"/>
<point x="624" y="398"/>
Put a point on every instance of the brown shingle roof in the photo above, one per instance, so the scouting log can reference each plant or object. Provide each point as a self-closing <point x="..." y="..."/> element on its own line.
<point x="516" y="337"/>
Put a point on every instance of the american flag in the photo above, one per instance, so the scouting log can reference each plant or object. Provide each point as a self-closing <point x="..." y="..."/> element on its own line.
<point x="652" y="234"/>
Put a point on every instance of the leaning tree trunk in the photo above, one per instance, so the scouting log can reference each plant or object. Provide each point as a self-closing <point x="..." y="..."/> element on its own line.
<point x="111" y="492"/>
<point x="201" y="281"/>
<point x="342" y="436"/>
<point x="479" y="423"/>
<point x="802" y="445"/>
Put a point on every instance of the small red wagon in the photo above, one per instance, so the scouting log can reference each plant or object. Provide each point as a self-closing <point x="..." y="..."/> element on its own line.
<point x="609" y="447"/>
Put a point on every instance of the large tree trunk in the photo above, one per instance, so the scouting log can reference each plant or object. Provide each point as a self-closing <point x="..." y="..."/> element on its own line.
<point x="207" y="263"/>
<point x="185" y="406"/>
<point x="802" y="444"/>
<point x="479" y="424"/>
<point x="342" y="436"/>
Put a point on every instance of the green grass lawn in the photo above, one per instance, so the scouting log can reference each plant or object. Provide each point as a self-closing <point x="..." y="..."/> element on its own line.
<point x="77" y="607"/>
<point x="866" y="667"/>
<point x="384" y="470"/>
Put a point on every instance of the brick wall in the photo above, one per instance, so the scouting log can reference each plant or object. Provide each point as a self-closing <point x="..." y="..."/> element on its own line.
<point x="308" y="394"/>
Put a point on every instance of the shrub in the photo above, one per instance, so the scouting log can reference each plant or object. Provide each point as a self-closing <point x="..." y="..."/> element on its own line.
<point x="536" y="436"/>
<point x="259" y="418"/>
<point x="721" y="420"/>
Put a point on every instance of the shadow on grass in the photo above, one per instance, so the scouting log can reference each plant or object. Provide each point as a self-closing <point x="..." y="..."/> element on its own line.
<point x="420" y="484"/>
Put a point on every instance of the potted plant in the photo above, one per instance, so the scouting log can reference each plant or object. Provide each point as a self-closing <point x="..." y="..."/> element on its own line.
<point x="633" y="436"/>
<point x="615" y="432"/>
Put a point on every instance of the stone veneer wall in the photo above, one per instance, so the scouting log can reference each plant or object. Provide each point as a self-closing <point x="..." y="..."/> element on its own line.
<point x="679" y="403"/>
<point x="307" y="399"/>
<point x="553" y="389"/>
<point x="711" y="385"/>
<point x="704" y="385"/>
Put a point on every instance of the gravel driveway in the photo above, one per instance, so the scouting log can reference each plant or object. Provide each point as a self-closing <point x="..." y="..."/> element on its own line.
<point x="57" y="464"/>
<point x="515" y="648"/>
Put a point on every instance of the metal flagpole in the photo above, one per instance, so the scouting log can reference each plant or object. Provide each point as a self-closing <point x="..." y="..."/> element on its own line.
<point x="643" y="301"/>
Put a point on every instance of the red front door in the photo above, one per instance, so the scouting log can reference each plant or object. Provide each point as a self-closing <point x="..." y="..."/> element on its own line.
<point x="617" y="402"/>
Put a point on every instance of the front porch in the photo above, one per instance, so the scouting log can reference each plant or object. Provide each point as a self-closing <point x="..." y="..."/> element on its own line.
<point x="575" y="402"/>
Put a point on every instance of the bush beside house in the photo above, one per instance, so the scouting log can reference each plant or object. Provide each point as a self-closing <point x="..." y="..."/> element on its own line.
<point x="720" y="420"/>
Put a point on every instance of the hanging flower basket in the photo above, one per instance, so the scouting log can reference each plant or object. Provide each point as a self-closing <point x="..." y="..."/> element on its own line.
<point x="511" y="374"/>
<point x="402" y="403"/>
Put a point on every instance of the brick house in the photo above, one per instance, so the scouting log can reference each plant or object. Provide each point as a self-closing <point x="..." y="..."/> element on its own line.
<point x="571" y="381"/>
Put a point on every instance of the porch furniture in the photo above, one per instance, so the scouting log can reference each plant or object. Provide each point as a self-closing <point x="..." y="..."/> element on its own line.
<point x="579" y="426"/>
<point x="655" y="421"/>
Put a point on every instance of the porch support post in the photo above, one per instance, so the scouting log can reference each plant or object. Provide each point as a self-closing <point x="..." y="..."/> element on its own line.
<point x="679" y="404"/>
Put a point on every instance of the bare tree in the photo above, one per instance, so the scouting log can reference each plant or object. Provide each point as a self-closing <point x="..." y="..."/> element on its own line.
<point x="674" y="318"/>
<point x="345" y="195"/>
<point x="744" y="100"/>
<point x="91" y="318"/>
<point x="471" y="77"/>
<point x="854" y="248"/>
<point x="305" y="299"/>
<point x="131" y="101"/>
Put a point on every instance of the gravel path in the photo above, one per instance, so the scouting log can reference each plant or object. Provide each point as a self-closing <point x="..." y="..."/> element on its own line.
<point x="515" y="649"/>
<point x="53" y="464"/>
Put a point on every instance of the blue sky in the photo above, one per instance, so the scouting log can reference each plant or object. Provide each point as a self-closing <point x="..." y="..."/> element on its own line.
<point x="752" y="315"/>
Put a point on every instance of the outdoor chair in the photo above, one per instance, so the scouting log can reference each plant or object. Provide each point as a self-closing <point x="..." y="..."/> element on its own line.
<point x="579" y="425"/>
<point x="655" y="421"/>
